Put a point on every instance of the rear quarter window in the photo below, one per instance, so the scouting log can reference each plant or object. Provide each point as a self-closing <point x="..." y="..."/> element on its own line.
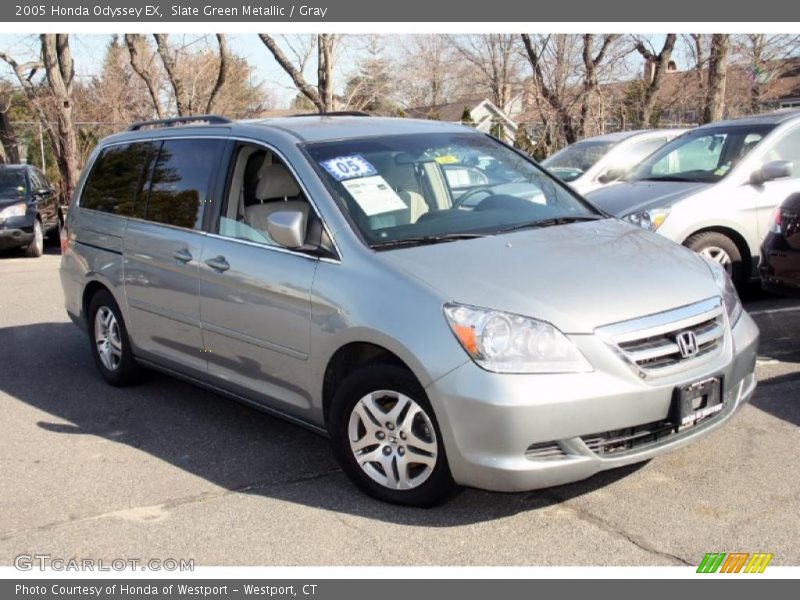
<point x="116" y="180"/>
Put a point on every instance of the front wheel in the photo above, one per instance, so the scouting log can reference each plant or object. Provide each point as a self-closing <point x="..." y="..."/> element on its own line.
<point x="36" y="247"/>
<point x="723" y="250"/>
<point x="386" y="438"/>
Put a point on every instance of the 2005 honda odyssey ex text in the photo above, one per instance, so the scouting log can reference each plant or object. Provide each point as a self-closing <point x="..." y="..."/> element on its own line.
<point x="441" y="307"/>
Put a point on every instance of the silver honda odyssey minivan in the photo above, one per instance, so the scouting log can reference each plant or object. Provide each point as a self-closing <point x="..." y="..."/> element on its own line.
<point x="432" y="300"/>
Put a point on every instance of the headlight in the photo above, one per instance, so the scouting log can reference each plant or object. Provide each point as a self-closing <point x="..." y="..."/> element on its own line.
<point x="15" y="210"/>
<point x="649" y="219"/>
<point x="508" y="343"/>
<point x="730" y="298"/>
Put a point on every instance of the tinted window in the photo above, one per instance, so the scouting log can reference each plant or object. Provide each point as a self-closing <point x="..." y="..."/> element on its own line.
<point x="116" y="180"/>
<point x="12" y="183"/>
<point x="180" y="181"/>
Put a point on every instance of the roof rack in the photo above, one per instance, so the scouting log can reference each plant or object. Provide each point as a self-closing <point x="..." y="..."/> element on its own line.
<point x="178" y="121"/>
<point x="335" y="113"/>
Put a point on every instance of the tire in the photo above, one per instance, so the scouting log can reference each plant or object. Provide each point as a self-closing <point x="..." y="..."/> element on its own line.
<point x="118" y="365"/>
<point x="36" y="248"/>
<point x="384" y="387"/>
<point x="718" y="246"/>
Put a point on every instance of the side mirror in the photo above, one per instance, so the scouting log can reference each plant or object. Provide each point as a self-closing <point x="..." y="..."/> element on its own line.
<point x="287" y="228"/>
<point x="611" y="174"/>
<point x="776" y="169"/>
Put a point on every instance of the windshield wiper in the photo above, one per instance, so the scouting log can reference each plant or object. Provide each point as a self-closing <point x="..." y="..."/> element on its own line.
<point x="423" y="240"/>
<point x="550" y="222"/>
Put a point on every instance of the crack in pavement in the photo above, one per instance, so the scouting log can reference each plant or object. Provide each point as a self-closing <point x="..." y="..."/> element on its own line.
<point x="170" y="504"/>
<point x="608" y="527"/>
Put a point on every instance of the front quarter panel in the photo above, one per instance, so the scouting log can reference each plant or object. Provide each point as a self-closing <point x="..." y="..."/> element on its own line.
<point x="363" y="300"/>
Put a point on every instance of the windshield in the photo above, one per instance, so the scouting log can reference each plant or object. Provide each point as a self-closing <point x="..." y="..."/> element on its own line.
<point x="12" y="183"/>
<point x="704" y="155"/>
<point x="573" y="161"/>
<point x="434" y="187"/>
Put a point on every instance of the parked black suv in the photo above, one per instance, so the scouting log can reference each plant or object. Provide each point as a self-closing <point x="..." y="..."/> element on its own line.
<point x="780" y="251"/>
<point x="29" y="209"/>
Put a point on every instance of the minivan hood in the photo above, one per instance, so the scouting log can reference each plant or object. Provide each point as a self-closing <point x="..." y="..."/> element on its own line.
<point x="577" y="276"/>
<point x="627" y="197"/>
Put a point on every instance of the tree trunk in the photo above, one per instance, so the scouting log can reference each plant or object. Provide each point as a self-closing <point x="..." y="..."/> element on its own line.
<point x="222" y="75"/>
<point x="57" y="59"/>
<point x="135" y="43"/>
<point x="717" y="78"/>
<point x="182" y="105"/>
<point x="661" y="63"/>
<point x="296" y="74"/>
<point x="325" y="43"/>
<point x="8" y="140"/>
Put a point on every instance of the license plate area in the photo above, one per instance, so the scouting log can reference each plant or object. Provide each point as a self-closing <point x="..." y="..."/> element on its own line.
<point x="696" y="401"/>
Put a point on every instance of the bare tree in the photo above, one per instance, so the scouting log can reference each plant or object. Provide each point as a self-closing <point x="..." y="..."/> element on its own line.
<point x="56" y="59"/>
<point x="9" y="143"/>
<point x="143" y="66"/>
<point x="430" y="73"/>
<point x="591" y="63"/>
<point x="222" y="73"/>
<point x="659" y="64"/>
<point x="550" y="88"/>
<point x="768" y="57"/>
<point x="495" y="57"/>
<point x="714" y="104"/>
<point x="320" y="95"/>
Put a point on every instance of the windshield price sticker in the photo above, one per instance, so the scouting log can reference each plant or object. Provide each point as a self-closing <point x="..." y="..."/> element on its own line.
<point x="374" y="195"/>
<point x="348" y="167"/>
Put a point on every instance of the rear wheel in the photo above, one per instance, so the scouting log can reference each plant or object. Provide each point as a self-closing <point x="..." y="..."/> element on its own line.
<point x="54" y="237"/>
<point x="723" y="250"/>
<point x="108" y="336"/>
<point x="386" y="438"/>
<point x="36" y="247"/>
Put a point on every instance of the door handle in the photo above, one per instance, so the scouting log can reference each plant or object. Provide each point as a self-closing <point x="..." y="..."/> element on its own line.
<point x="182" y="255"/>
<point x="218" y="264"/>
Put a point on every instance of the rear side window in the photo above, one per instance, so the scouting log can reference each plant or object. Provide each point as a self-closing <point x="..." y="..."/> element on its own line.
<point x="116" y="181"/>
<point x="181" y="179"/>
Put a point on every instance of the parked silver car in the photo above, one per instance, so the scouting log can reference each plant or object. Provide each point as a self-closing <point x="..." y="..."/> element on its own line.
<point x="322" y="268"/>
<point x="598" y="161"/>
<point x="715" y="188"/>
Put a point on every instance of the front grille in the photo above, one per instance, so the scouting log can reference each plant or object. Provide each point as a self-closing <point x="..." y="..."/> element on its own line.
<point x="545" y="451"/>
<point x="619" y="441"/>
<point x="650" y="343"/>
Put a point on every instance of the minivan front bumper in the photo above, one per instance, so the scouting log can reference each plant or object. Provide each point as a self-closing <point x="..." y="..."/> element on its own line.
<point x="512" y="432"/>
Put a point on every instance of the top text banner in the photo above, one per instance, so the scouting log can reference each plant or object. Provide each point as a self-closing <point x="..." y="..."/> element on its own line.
<point x="464" y="11"/>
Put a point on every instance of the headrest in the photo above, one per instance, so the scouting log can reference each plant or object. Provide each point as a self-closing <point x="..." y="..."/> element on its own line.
<point x="275" y="181"/>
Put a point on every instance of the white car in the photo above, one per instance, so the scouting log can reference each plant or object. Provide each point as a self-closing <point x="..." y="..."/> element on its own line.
<point x="597" y="161"/>
<point x="715" y="189"/>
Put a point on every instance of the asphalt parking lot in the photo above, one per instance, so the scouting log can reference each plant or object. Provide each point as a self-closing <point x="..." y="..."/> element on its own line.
<point x="164" y="470"/>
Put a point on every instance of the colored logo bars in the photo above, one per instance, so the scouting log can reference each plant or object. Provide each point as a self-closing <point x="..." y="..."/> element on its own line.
<point x="734" y="562"/>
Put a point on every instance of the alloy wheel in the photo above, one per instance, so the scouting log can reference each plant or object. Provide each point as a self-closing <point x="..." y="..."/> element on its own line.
<point x="393" y="440"/>
<point x="718" y="255"/>
<point x="107" y="338"/>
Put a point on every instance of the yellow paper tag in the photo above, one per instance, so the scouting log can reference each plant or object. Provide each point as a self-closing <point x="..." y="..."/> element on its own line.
<point x="447" y="159"/>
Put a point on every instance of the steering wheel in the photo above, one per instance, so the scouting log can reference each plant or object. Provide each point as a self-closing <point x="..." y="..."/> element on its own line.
<point x="463" y="198"/>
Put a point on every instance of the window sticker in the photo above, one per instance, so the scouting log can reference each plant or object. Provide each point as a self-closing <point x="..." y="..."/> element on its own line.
<point x="348" y="167"/>
<point x="447" y="159"/>
<point x="374" y="195"/>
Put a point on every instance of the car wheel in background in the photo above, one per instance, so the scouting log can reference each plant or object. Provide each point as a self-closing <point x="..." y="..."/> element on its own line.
<point x="386" y="438"/>
<point x="108" y="337"/>
<point x="36" y="248"/>
<point x="722" y="249"/>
